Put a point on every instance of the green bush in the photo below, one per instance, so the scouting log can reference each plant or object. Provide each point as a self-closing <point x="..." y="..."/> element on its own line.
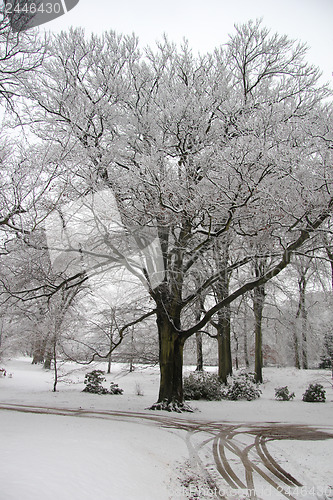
<point x="94" y="381"/>
<point x="283" y="394"/>
<point x="241" y="386"/>
<point x="200" y="385"/>
<point x="315" y="393"/>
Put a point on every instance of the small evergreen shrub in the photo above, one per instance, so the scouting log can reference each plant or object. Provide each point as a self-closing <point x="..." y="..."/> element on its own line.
<point x="315" y="393"/>
<point x="283" y="394"/>
<point x="94" y="381"/>
<point x="202" y="385"/>
<point x="241" y="386"/>
<point x="114" y="389"/>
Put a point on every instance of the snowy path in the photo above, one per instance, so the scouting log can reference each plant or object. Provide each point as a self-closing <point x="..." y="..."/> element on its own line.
<point x="229" y="459"/>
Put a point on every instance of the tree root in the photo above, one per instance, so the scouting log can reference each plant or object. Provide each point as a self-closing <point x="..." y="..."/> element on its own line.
<point x="176" y="406"/>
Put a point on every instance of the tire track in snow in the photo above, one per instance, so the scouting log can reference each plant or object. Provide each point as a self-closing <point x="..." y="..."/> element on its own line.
<point x="240" y="453"/>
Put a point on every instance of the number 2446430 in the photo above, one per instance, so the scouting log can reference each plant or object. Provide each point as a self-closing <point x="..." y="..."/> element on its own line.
<point x="33" y="8"/>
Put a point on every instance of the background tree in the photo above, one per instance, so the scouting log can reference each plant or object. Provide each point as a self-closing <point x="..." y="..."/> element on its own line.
<point x="303" y="267"/>
<point x="258" y="298"/>
<point x="223" y="323"/>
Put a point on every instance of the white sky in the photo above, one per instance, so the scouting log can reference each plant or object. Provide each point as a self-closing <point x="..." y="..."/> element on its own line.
<point x="207" y="23"/>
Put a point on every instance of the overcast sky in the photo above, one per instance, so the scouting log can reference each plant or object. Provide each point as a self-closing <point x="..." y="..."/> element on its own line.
<point x="207" y="23"/>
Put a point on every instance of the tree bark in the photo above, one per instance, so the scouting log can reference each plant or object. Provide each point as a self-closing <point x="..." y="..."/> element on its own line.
<point x="198" y="340"/>
<point x="171" y="349"/>
<point x="171" y="366"/>
<point x="302" y="312"/>
<point x="109" y="363"/>
<point x="55" y="367"/>
<point x="330" y="257"/>
<point x="246" y="352"/>
<point x="223" y="322"/>
<point x="236" y="350"/>
<point x="48" y="360"/>
<point x="132" y="354"/>
<point x="110" y="355"/>
<point x="224" y="345"/>
<point x="305" y="364"/>
<point x="38" y="357"/>
<point x="39" y="351"/>
<point x="258" y="306"/>
<point x="296" y="348"/>
<point x="198" y="336"/>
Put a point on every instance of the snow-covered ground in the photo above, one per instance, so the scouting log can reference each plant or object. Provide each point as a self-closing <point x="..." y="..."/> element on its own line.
<point x="124" y="457"/>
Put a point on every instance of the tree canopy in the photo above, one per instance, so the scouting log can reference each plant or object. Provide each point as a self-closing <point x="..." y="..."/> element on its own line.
<point x="161" y="157"/>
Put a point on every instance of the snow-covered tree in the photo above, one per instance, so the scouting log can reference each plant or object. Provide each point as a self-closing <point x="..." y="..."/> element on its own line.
<point x="193" y="148"/>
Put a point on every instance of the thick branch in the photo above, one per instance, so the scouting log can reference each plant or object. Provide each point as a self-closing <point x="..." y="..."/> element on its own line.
<point x="305" y="235"/>
<point x="213" y="279"/>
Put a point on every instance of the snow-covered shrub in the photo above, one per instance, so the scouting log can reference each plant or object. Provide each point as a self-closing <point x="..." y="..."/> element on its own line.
<point x="241" y="386"/>
<point x="202" y="385"/>
<point x="315" y="393"/>
<point x="207" y="386"/>
<point x="114" y="389"/>
<point x="93" y="381"/>
<point x="283" y="394"/>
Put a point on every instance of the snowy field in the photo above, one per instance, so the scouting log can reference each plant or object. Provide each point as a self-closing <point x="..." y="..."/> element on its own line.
<point x="112" y="448"/>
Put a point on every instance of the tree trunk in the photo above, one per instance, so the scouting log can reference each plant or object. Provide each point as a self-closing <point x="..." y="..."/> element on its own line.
<point x="246" y="352"/>
<point x="236" y="349"/>
<point x="258" y="306"/>
<point x="38" y="357"/>
<point x="305" y="365"/>
<point x="131" y="365"/>
<point x="55" y="366"/>
<point x="171" y="348"/>
<point x="223" y="326"/>
<point x="198" y="339"/>
<point x="110" y="355"/>
<point x="224" y="345"/>
<point x="171" y="365"/>
<point x="48" y="360"/>
<point x="39" y="352"/>
<point x="302" y="312"/>
<point x="330" y="257"/>
<point x="109" y="363"/>
<point x="296" y="348"/>
<point x="39" y="349"/>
